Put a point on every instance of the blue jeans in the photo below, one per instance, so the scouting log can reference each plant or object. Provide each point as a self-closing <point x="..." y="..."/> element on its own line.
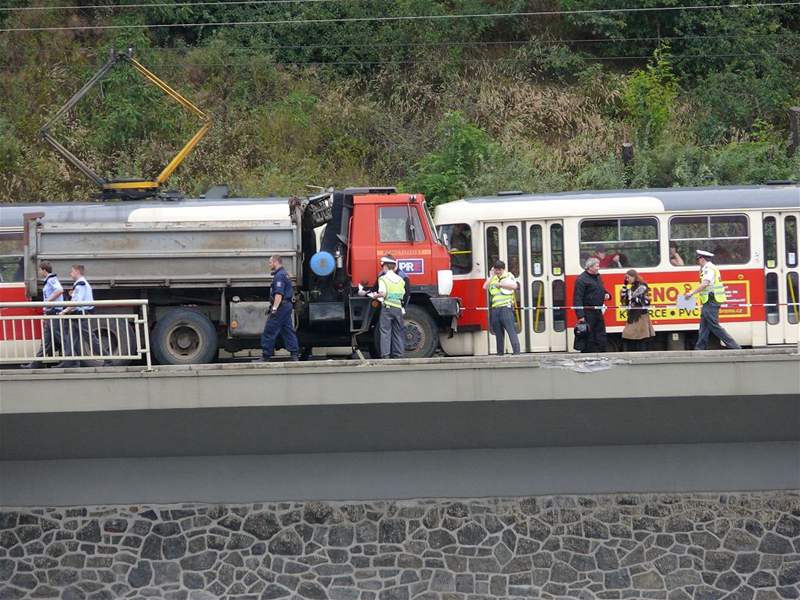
<point x="501" y="320"/>
<point x="279" y="323"/>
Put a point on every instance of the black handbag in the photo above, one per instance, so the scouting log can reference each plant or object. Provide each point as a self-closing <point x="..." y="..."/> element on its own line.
<point x="581" y="336"/>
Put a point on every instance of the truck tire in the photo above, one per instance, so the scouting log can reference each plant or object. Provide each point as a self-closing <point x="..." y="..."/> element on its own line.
<point x="183" y="336"/>
<point x="113" y="344"/>
<point x="422" y="337"/>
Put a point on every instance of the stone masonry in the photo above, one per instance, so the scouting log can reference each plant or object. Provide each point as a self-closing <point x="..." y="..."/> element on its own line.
<point x="675" y="547"/>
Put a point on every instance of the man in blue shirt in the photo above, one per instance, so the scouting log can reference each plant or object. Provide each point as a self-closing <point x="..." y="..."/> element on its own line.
<point x="51" y="292"/>
<point x="279" y="314"/>
<point x="79" y="329"/>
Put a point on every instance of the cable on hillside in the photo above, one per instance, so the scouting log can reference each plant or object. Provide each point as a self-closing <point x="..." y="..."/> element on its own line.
<point x="161" y="5"/>
<point x="464" y="60"/>
<point x="532" y="41"/>
<point x="541" y="13"/>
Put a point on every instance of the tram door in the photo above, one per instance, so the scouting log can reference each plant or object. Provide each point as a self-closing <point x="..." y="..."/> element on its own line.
<point x="547" y="327"/>
<point x="782" y="273"/>
<point x="534" y="252"/>
<point x="504" y="242"/>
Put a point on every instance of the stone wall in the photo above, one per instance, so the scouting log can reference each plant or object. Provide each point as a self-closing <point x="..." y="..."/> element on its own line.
<point x="628" y="546"/>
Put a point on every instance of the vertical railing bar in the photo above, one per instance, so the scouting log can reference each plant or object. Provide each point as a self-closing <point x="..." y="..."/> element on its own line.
<point x="146" y="333"/>
<point x="64" y="343"/>
<point x="116" y="326"/>
<point x="52" y="338"/>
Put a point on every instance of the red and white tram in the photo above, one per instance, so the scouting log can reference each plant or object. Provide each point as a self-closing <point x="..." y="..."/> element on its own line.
<point x="544" y="240"/>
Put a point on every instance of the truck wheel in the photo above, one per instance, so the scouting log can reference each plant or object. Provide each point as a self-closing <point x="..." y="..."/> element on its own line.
<point x="422" y="337"/>
<point x="113" y="344"/>
<point x="183" y="337"/>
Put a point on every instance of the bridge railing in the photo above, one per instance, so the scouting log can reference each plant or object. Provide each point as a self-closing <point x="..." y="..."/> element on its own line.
<point x="117" y="330"/>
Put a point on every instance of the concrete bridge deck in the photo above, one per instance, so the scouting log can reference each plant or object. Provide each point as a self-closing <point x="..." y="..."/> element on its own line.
<point x="414" y="428"/>
<point x="346" y="406"/>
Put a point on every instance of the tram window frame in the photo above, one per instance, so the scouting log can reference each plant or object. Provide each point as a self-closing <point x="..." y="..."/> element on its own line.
<point x="557" y="249"/>
<point x="12" y="248"/>
<point x="770" y="234"/>
<point x="718" y="245"/>
<point x="790" y="241"/>
<point x="463" y="264"/>
<point x="623" y="244"/>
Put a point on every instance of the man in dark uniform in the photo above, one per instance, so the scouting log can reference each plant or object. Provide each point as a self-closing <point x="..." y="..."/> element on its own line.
<point x="279" y="314"/>
<point x="589" y="294"/>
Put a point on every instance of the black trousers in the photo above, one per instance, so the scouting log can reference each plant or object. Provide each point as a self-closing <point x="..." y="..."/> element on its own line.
<point x="596" y="341"/>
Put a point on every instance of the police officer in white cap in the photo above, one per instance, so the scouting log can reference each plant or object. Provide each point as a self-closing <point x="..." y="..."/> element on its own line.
<point x="391" y="290"/>
<point x="711" y="292"/>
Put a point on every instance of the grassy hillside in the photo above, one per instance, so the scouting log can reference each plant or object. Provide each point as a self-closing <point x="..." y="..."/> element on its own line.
<point x="448" y="107"/>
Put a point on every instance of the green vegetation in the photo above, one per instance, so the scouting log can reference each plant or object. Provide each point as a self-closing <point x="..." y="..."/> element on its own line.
<point x="446" y="107"/>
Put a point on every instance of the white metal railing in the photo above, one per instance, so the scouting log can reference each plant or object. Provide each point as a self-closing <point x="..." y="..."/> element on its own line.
<point x="74" y="337"/>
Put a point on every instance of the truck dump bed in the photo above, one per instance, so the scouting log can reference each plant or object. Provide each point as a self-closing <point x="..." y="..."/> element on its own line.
<point x="160" y="254"/>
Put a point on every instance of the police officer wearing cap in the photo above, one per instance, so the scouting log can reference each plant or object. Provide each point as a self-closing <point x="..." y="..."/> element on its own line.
<point x="279" y="314"/>
<point x="711" y="292"/>
<point x="391" y="291"/>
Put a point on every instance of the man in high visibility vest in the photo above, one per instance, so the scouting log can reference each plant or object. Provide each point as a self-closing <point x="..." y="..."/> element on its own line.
<point x="391" y="290"/>
<point x="501" y="286"/>
<point x="711" y="292"/>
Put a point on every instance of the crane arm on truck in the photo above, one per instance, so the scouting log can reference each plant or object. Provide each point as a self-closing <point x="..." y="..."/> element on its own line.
<point x="127" y="188"/>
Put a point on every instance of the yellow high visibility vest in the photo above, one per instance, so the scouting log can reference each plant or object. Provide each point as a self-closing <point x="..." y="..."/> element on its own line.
<point x="395" y="290"/>
<point x="500" y="296"/>
<point x="716" y="286"/>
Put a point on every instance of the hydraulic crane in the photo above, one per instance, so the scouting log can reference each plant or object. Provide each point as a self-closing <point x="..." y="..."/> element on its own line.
<point x="127" y="189"/>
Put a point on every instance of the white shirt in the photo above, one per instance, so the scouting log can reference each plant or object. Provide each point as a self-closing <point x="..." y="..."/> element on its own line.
<point x="708" y="272"/>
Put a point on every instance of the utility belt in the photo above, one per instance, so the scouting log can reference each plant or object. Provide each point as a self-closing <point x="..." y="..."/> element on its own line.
<point x="84" y="311"/>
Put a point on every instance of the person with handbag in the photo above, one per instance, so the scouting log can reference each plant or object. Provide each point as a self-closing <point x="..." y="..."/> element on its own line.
<point x="588" y="297"/>
<point x="635" y="295"/>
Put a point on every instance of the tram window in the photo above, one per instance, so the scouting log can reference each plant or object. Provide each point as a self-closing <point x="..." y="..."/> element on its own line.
<point x="492" y="247"/>
<point x="538" y="303"/>
<point x="11" y="260"/>
<point x="559" y="299"/>
<point x="557" y="249"/>
<point x="512" y="250"/>
<point x="727" y="236"/>
<point x="621" y="243"/>
<point x="459" y="243"/>
<point x="537" y="251"/>
<point x="770" y="243"/>
<point x="400" y="224"/>
<point x="790" y="236"/>
<point x="773" y="312"/>
<point x="793" y="298"/>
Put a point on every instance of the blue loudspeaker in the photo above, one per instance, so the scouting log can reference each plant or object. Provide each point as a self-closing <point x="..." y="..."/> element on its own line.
<point x="323" y="263"/>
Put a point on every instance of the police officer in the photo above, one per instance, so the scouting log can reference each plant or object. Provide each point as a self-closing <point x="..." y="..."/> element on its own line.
<point x="279" y="314"/>
<point x="501" y="285"/>
<point x="391" y="291"/>
<point x="51" y="292"/>
<point x="711" y="292"/>
<point x="79" y="329"/>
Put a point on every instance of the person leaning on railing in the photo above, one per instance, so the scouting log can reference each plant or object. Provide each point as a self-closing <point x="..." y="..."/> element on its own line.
<point x="51" y="292"/>
<point x="79" y="329"/>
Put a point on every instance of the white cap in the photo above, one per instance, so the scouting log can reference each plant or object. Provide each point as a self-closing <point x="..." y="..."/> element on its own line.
<point x="704" y="254"/>
<point x="388" y="260"/>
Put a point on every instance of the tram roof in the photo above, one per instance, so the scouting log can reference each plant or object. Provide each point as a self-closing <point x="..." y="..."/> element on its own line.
<point x="608" y="202"/>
